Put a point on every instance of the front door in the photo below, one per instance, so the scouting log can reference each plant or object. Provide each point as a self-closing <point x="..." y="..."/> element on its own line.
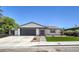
<point x="42" y="32"/>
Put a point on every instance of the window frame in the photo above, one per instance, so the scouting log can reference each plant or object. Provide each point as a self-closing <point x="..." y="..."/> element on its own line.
<point x="52" y="31"/>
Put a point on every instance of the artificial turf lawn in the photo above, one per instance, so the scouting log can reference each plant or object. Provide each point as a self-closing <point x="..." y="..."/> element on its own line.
<point x="52" y="39"/>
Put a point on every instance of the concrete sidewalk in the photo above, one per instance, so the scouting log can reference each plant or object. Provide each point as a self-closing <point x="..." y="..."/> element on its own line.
<point x="40" y="49"/>
<point x="23" y="43"/>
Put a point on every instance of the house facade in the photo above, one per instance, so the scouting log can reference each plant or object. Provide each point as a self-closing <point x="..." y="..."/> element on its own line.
<point x="35" y="29"/>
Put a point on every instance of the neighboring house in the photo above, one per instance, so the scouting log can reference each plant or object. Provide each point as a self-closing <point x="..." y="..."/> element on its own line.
<point x="33" y="28"/>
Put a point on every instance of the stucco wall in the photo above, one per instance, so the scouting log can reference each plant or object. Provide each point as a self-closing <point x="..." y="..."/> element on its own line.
<point x="48" y="32"/>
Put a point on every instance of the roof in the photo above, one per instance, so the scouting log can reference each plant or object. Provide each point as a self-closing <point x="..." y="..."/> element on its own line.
<point x="33" y="25"/>
<point x="74" y="28"/>
<point x="53" y="27"/>
<point x="36" y="25"/>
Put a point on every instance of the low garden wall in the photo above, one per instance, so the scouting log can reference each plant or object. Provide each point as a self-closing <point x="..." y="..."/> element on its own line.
<point x="3" y="35"/>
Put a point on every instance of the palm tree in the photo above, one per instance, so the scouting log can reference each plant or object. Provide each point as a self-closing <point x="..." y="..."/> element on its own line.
<point x="1" y="13"/>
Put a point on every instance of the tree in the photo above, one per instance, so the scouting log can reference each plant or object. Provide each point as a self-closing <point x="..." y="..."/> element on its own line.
<point x="69" y="32"/>
<point x="6" y="24"/>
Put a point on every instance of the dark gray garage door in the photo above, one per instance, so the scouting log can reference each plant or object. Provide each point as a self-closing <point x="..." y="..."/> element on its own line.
<point x="27" y="31"/>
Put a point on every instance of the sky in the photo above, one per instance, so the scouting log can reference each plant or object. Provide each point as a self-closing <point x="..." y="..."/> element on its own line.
<point x="60" y="16"/>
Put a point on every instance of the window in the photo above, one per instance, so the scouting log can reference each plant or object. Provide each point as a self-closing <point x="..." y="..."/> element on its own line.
<point x="52" y="31"/>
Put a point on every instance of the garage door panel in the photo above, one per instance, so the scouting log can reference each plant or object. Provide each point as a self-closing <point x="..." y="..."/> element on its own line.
<point x="27" y="31"/>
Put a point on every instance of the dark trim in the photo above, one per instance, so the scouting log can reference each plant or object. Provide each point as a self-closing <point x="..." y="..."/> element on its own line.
<point x="35" y="27"/>
<point x="34" y="23"/>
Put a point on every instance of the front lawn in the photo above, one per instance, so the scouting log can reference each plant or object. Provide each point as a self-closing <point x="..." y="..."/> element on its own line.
<point x="54" y="39"/>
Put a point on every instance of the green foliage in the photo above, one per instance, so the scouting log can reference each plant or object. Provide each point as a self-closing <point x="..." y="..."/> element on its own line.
<point x="72" y="32"/>
<point x="7" y="24"/>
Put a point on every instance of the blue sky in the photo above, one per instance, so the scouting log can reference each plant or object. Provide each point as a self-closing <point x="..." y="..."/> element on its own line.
<point x="61" y="16"/>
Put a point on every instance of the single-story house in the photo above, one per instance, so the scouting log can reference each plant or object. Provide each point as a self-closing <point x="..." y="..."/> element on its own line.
<point x="33" y="29"/>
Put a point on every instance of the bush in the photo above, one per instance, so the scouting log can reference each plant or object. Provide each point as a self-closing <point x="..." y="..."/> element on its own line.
<point x="71" y="33"/>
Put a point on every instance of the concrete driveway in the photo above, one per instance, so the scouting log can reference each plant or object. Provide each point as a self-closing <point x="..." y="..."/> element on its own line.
<point x="15" y="41"/>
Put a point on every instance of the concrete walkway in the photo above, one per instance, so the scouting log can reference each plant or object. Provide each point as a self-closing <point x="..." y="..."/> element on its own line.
<point x="42" y="39"/>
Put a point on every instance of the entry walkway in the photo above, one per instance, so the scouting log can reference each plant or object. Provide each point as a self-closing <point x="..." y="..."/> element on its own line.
<point x="42" y="39"/>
